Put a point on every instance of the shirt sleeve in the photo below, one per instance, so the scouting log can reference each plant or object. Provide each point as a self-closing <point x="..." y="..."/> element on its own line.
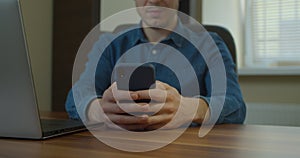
<point x="234" y="109"/>
<point x="84" y="90"/>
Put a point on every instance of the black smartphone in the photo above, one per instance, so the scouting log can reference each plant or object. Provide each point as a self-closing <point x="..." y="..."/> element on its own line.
<point x="134" y="77"/>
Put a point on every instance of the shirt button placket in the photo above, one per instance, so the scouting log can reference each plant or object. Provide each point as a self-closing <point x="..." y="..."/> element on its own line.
<point x="154" y="51"/>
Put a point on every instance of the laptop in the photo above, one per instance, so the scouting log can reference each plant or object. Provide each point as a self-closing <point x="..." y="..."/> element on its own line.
<point x="19" y="114"/>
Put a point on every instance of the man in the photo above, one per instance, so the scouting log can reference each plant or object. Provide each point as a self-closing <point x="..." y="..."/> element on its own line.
<point x="158" y="25"/>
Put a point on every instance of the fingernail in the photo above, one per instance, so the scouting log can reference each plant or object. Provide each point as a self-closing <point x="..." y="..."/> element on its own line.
<point x="144" y="116"/>
<point x="134" y="96"/>
<point x="145" y="107"/>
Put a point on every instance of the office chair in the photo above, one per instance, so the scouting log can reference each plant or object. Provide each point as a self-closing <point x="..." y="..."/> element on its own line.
<point x="221" y="31"/>
<point x="224" y="34"/>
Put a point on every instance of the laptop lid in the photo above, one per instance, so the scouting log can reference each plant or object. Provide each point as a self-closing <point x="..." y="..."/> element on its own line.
<point x="19" y="115"/>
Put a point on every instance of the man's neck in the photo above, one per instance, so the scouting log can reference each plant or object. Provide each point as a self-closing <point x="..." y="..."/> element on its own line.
<point x="155" y="35"/>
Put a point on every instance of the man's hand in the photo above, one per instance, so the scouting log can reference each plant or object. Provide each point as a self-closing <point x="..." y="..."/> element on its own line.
<point x="165" y="102"/>
<point x="118" y="115"/>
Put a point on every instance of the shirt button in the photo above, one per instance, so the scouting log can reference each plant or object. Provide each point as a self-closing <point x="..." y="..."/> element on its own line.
<point x="154" y="52"/>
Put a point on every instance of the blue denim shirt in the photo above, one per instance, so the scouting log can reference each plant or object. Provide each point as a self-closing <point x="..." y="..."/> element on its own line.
<point x="108" y="50"/>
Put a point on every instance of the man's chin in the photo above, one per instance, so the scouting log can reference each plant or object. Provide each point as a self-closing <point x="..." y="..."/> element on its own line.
<point x="155" y="25"/>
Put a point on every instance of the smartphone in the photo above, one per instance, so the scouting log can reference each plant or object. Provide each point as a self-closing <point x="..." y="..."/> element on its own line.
<point x="135" y="77"/>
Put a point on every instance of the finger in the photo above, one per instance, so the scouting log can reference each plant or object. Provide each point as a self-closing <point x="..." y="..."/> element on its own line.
<point x="155" y="108"/>
<point x="165" y="86"/>
<point x="107" y="95"/>
<point x="161" y="93"/>
<point x="162" y="85"/>
<point x="134" y="107"/>
<point x="127" y="119"/>
<point x="124" y="107"/>
<point x="153" y="94"/>
<point x="122" y="95"/>
<point x="159" y="88"/>
<point x="164" y="108"/>
<point x="159" y="119"/>
<point x="155" y="126"/>
<point x="142" y="108"/>
<point x="111" y="108"/>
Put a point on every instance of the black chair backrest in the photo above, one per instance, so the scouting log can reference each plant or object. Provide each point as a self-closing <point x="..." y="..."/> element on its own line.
<point x="221" y="31"/>
<point x="226" y="36"/>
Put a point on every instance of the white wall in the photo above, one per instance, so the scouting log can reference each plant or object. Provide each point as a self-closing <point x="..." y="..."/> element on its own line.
<point x="111" y="8"/>
<point x="37" y="15"/>
<point x="260" y="88"/>
<point x="270" y="99"/>
<point x="227" y="13"/>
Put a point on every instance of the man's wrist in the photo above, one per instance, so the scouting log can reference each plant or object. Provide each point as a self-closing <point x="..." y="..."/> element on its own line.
<point x="93" y="111"/>
<point x="202" y="112"/>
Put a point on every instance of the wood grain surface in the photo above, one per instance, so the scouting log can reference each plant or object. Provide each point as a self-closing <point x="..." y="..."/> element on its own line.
<point x="224" y="141"/>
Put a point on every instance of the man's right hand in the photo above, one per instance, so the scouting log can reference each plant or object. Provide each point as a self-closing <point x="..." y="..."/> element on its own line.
<point x="108" y="111"/>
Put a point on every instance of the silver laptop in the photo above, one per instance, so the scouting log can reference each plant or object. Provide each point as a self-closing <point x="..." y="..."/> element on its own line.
<point x="19" y="114"/>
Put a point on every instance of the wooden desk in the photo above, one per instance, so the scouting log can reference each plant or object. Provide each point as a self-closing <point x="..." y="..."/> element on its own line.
<point x="224" y="141"/>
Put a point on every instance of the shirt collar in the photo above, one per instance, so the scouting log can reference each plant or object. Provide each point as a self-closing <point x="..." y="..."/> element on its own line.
<point x="177" y="35"/>
<point x="138" y="36"/>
